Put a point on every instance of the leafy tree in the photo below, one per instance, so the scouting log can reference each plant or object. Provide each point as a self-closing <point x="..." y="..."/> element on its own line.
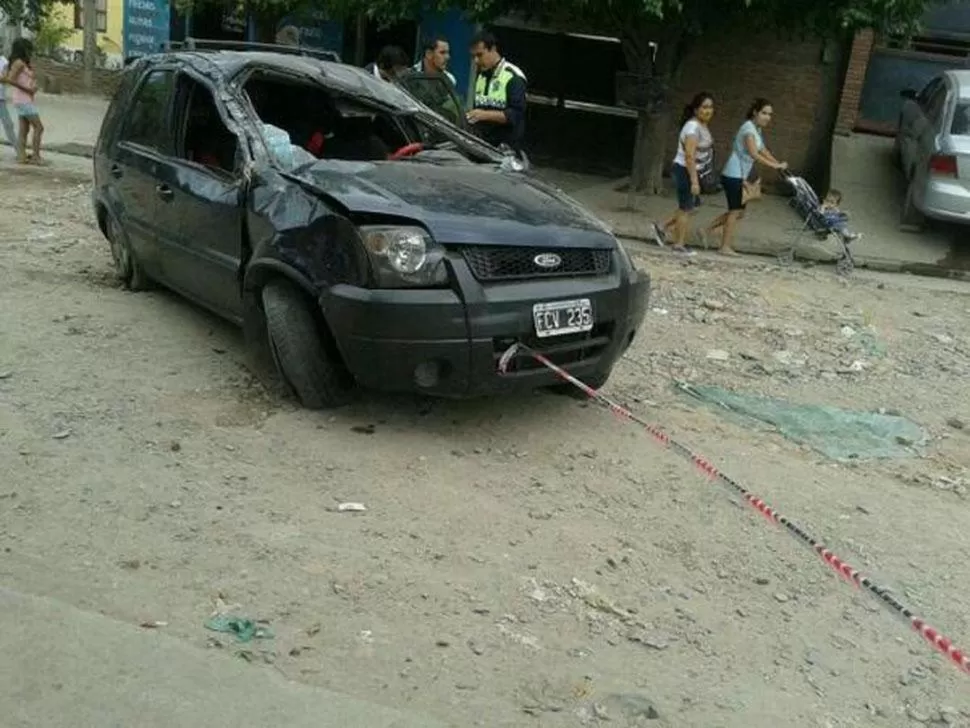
<point x="50" y="34"/>
<point x="656" y="35"/>
<point x="29" y="13"/>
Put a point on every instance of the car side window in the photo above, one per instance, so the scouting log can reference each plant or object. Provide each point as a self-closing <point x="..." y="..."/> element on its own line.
<point x="146" y="124"/>
<point x="961" y="120"/>
<point x="203" y="137"/>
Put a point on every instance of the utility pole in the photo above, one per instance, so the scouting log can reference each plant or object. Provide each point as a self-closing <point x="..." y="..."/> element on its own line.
<point x="90" y="19"/>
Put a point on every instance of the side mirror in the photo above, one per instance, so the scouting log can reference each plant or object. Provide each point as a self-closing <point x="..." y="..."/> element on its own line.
<point x="908" y="93"/>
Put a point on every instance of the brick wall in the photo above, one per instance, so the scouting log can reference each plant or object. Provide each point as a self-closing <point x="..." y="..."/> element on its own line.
<point x="736" y="68"/>
<point x="68" y="78"/>
<point x="855" y="77"/>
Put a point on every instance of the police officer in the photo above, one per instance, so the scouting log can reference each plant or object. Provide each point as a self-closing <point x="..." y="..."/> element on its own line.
<point x="498" y="115"/>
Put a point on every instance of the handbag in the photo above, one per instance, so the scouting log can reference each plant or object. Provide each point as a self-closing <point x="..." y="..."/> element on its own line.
<point x="751" y="191"/>
<point x="708" y="179"/>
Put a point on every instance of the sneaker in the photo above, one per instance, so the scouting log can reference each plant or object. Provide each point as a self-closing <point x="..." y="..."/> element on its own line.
<point x="684" y="251"/>
<point x="658" y="234"/>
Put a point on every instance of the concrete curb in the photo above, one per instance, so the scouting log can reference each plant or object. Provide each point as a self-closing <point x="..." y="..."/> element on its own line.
<point x="750" y="246"/>
<point x="72" y="149"/>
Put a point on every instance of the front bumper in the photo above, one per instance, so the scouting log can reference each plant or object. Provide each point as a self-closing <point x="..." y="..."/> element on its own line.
<point x="447" y="342"/>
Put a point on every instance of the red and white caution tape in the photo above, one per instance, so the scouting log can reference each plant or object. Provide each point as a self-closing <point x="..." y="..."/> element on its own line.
<point x="939" y="642"/>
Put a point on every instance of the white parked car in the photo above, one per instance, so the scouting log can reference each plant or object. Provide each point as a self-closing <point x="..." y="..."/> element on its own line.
<point x="933" y="150"/>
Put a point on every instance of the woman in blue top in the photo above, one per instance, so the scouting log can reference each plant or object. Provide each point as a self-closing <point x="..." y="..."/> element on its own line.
<point x="748" y="148"/>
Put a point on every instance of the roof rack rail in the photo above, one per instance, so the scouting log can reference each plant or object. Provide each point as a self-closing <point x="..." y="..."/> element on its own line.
<point x="204" y="44"/>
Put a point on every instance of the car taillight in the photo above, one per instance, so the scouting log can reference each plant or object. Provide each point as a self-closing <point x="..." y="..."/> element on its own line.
<point x="943" y="165"/>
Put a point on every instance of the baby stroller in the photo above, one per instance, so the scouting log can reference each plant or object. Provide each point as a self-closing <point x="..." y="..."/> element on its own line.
<point x="808" y="206"/>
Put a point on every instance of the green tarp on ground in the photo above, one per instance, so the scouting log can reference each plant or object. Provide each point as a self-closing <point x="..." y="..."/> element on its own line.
<point x="836" y="433"/>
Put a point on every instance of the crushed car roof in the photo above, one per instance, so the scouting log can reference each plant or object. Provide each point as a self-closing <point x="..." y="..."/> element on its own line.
<point x="340" y="76"/>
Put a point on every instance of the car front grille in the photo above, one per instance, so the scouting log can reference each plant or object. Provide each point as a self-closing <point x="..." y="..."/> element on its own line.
<point x="505" y="263"/>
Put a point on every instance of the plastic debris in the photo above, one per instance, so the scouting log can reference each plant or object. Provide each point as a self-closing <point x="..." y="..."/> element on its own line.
<point x="245" y="629"/>
<point x="351" y="508"/>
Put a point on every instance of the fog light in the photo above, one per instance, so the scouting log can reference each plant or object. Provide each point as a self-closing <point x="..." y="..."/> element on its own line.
<point x="427" y="373"/>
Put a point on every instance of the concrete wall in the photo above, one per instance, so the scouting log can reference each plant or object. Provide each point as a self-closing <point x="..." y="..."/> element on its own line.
<point x="109" y="41"/>
<point x="68" y="78"/>
<point x="738" y="67"/>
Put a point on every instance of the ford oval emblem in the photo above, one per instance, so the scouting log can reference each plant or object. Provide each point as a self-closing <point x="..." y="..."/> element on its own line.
<point x="547" y="260"/>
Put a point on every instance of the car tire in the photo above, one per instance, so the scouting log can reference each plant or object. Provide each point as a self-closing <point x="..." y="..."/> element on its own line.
<point x="568" y="389"/>
<point x="311" y="369"/>
<point x="910" y="218"/>
<point x="127" y="267"/>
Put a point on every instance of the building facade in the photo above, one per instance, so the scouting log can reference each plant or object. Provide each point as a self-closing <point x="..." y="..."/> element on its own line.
<point x="880" y="68"/>
<point x="110" y="29"/>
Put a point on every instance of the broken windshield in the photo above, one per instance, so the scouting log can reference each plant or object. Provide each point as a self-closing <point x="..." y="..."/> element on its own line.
<point x="303" y="121"/>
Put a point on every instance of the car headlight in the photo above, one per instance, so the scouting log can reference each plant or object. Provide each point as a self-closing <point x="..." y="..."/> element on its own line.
<point x="404" y="256"/>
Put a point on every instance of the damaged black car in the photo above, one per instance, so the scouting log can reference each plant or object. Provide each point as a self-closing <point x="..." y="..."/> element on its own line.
<point x="357" y="236"/>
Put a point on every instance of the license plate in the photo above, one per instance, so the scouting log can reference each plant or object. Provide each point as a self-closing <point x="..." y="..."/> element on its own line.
<point x="558" y="318"/>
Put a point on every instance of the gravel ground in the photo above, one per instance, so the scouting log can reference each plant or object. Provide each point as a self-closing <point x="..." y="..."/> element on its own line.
<point x="522" y="561"/>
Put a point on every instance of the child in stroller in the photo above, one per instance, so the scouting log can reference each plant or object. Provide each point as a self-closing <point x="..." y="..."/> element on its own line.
<point x="824" y="218"/>
<point x="834" y="217"/>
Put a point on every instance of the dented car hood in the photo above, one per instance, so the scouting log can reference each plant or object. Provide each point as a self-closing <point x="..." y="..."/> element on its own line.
<point x="460" y="204"/>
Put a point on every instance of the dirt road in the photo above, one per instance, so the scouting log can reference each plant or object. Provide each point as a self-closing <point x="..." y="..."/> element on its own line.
<point x="527" y="561"/>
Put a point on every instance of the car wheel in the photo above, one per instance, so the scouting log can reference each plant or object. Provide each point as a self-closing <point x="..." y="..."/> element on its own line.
<point x="127" y="267"/>
<point x="311" y="369"/>
<point x="910" y="218"/>
<point x="568" y="389"/>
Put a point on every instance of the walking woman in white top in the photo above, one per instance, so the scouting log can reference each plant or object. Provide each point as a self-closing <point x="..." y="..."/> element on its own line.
<point x="695" y="156"/>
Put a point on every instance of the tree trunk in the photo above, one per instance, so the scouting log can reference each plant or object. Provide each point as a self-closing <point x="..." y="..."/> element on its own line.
<point x="360" y="39"/>
<point x="656" y="115"/>
<point x="90" y="15"/>
<point x="265" y="25"/>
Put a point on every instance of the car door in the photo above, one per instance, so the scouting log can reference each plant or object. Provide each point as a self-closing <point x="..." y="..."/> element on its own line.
<point x="203" y="185"/>
<point x="957" y="135"/>
<point x="145" y="141"/>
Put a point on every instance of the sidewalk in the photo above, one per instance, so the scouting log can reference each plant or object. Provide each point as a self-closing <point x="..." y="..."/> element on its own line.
<point x="862" y="171"/>
<point x="64" y="667"/>
<point x="71" y="123"/>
